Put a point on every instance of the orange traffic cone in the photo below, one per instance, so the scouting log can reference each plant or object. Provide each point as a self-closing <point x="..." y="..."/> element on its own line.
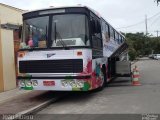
<point x="135" y="77"/>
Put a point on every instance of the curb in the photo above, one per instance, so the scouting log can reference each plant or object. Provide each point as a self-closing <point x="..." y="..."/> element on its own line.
<point x="10" y="98"/>
<point x="132" y="63"/>
<point x="35" y="109"/>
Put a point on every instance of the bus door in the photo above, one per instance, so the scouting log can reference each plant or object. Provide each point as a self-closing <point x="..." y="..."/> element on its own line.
<point x="118" y="68"/>
<point x="123" y="69"/>
<point x="112" y="67"/>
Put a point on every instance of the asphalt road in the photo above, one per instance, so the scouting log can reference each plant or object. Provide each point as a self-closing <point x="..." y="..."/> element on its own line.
<point x="120" y="97"/>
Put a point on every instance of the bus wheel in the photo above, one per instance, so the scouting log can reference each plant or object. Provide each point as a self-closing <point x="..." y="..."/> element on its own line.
<point x="104" y="76"/>
<point x="104" y="82"/>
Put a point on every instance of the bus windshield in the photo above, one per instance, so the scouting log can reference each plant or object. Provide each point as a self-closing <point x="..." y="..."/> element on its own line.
<point x="66" y="30"/>
<point x="70" y="30"/>
<point x="35" y="32"/>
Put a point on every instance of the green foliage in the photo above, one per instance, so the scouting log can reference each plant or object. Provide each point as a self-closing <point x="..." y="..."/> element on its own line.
<point x="142" y="45"/>
<point x="132" y="54"/>
<point x="157" y="1"/>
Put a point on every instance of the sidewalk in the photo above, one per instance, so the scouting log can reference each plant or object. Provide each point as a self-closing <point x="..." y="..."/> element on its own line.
<point x="5" y="96"/>
<point x="17" y="101"/>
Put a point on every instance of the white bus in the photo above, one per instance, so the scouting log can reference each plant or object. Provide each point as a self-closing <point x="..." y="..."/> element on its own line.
<point x="69" y="49"/>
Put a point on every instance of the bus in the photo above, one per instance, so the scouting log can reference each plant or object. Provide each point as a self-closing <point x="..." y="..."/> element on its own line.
<point x="69" y="49"/>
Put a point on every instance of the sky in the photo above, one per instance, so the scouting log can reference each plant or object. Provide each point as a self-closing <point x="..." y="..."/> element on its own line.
<point x="124" y="15"/>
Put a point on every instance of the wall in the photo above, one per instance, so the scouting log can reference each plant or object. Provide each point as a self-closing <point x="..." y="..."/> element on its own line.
<point x="8" y="59"/>
<point x="10" y="15"/>
<point x="1" y="66"/>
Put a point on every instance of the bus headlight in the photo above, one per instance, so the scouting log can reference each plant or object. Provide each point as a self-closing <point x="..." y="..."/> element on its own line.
<point x="80" y="83"/>
<point x="73" y="83"/>
<point x="28" y="83"/>
<point x="22" y="83"/>
<point x="64" y="83"/>
<point x="34" y="82"/>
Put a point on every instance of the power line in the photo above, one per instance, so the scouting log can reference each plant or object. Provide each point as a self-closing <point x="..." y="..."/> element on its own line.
<point x="132" y="25"/>
<point x="155" y="21"/>
<point x="154" y="16"/>
<point x="139" y="31"/>
<point x="139" y="22"/>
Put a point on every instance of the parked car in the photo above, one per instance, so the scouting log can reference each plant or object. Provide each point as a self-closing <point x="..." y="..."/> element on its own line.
<point x="152" y="56"/>
<point x="157" y="56"/>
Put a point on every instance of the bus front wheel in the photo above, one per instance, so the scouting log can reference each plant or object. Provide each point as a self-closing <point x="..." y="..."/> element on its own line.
<point x="104" y="81"/>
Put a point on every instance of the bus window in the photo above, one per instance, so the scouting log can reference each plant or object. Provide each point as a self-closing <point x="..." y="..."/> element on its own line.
<point x="96" y="33"/>
<point x="119" y="39"/>
<point x="70" y="30"/>
<point x="111" y="33"/>
<point x="105" y="32"/>
<point x="116" y="37"/>
<point x="35" y="32"/>
<point x="122" y="39"/>
<point x="103" y="26"/>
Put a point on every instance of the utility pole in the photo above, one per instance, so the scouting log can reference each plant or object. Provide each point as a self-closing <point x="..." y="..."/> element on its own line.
<point x="146" y="24"/>
<point x="157" y="33"/>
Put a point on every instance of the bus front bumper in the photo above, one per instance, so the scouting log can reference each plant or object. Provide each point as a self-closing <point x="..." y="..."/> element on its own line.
<point x="69" y="83"/>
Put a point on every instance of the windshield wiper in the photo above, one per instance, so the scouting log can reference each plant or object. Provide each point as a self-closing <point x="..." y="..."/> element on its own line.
<point x="61" y="41"/>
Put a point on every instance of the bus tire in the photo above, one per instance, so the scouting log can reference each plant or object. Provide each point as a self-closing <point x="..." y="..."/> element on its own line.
<point x="105" y="78"/>
<point x="104" y="75"/>
<point x="104" y="82"/>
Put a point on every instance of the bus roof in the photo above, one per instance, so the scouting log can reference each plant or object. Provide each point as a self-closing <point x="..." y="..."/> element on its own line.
<point x="75" y="6"/>
<point x="61" y="7"/>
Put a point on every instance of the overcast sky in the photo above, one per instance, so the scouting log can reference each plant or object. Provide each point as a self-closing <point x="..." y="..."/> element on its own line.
<point x="119" y="13"/>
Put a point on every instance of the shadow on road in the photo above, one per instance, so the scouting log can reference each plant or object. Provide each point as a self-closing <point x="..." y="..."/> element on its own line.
<point x="120" y="82"/>
<point x="79" y="96"/>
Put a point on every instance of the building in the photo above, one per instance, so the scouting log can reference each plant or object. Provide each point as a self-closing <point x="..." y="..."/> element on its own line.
<point x="10" y="19"/>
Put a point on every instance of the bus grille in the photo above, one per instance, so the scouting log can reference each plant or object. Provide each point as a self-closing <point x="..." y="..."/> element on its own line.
<point x="51" y="66"/>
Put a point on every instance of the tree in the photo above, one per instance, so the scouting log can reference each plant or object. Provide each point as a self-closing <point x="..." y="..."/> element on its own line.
<point x="157" y="1"/>
<point x="142" y="45"/>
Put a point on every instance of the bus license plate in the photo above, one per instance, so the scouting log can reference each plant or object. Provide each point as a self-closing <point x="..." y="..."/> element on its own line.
<point x="49" y="83"/>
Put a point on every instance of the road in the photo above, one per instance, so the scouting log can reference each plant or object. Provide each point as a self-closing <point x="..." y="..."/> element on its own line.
<point x="118" y="98"/>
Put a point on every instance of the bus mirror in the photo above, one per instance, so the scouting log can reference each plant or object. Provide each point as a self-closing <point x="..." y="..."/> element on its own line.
<point x="20" y="32"/>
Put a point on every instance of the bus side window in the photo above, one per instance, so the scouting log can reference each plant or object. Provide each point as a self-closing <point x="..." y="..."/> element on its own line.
<point x="103" y="29"/>
<point x="103" y="26"/>
<point x="122" y="39"/>
<point x="116" y="38"/>
<point x="96" y="33"/>
<point x="105" y="32"/>
<point x="112" y="34"/>
<point x="119" y="39"/>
